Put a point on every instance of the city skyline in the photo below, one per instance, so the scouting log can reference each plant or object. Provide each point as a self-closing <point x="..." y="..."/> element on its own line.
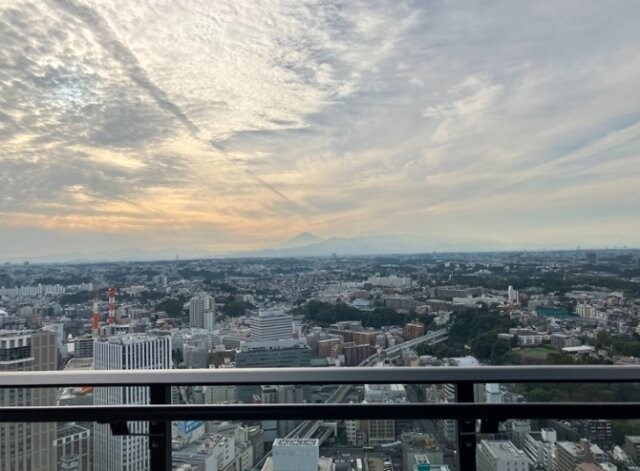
<point x="227" y="128"/>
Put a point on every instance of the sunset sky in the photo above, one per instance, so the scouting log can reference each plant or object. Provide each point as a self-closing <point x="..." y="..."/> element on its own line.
<point x="233" y="125"/>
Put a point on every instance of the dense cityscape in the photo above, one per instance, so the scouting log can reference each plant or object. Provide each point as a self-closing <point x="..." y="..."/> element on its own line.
<point x="439" y="309"/>
<point x="319" y="235"/>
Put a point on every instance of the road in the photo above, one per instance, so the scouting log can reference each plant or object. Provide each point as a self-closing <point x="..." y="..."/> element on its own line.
<point x="308" y="427"/>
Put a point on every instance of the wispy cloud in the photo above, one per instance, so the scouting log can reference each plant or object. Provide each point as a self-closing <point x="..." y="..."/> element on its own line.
<point x="222" y="123"/>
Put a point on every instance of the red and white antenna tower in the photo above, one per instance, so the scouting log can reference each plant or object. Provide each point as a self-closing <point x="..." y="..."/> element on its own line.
<point x="112" y="305"/>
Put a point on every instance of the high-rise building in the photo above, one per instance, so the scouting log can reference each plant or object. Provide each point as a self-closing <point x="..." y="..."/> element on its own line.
<point x="126" y="352"/>
<point x="198" y="306"/>
<point x="379" y="432"/>
<point x="540" y="448"/>
<point x="512" y="296"/>
<point x="209" y="320"/>
<point x="501" y="456"/>
<point x="28" y="446"/>
<point x="73" y="444"/>
<point x="273" y="354"/>
<point x="271" y="325"/>
<point x="518" y="431"/>
<point x="280" y="394"/>
<point x="83" y="347"/>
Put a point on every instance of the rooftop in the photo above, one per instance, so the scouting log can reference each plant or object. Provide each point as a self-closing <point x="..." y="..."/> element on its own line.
<point x="296" y="442"/>
<point x="503" y="450"/>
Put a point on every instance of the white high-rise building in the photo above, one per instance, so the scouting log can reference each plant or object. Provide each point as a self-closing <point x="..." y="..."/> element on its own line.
<point x="513" y="296"/>
<point x="501" y="456"/>
<point x="271" y="325"/>
<point x="209" y="320"/>
<point x="126" y="352"/>
<point x="296" y="454"/>
<point x="198" y="306"/>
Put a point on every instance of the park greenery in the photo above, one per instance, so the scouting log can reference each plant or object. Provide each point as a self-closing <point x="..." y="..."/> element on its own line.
<point x="172" y="306"/>
<point x="324" y="314"/>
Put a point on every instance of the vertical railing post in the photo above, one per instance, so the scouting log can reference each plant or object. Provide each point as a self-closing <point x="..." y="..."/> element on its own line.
<point x="160" y="431"/>
<point x="466" y="430"/>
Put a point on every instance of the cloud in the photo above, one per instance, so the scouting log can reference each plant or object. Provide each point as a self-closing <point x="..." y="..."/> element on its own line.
<point x="218" y="123"/>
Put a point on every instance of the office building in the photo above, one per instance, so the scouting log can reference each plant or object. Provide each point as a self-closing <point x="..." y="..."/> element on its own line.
<point x="73" y="446"/>
<point x="28" y="446"/>
<point x="500" y="456"/>
<point x="196" y="355"/>
<point x="296" y="454"/>
<point x="126" y="352"/>
<point x="280" y="394"/>
<point x="272" y="354"/>
<point x="83" y="346"/>
<point x="379" y="432"/>
<point x="271" y="325"/>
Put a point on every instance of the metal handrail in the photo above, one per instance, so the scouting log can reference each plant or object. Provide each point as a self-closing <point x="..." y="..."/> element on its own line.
<point x="241" y="412"/>
<point x="159" y="413"/>
<point x="354" y="375"/>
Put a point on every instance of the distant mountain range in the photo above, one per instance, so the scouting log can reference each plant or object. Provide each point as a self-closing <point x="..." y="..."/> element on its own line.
<point x="310" y="245"/>
<point x="305" y="244"/>
<point x="301" y="240"/>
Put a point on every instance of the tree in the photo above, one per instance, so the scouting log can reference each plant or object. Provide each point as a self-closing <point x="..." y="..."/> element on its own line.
<point x="236" y="308"/>
<point x="174" y="307"/>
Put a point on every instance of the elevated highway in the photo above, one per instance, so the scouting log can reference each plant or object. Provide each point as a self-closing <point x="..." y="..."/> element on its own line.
<point x="309" y="428"/>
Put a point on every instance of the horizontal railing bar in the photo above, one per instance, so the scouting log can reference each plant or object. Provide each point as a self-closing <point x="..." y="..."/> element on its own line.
<point x="355" y="375"/>
<point x="582" y="410"/>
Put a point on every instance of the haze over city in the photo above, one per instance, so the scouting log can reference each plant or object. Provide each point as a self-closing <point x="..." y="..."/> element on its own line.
<point x="223" y="127"/>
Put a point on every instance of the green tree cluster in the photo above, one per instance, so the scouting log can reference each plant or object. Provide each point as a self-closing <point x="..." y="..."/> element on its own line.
<point x="617" y="345"/>
<point x="75" y="298"/>
<point x="233" y="308"/>
<point x="174" y="307"/>
<point x="324" y="314"/>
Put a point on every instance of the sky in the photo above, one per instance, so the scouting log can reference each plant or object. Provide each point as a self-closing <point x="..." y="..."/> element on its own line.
<point x="233" y="125"/>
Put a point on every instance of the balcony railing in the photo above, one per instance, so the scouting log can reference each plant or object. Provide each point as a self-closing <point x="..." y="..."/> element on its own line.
<point x="159" y="413"/>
